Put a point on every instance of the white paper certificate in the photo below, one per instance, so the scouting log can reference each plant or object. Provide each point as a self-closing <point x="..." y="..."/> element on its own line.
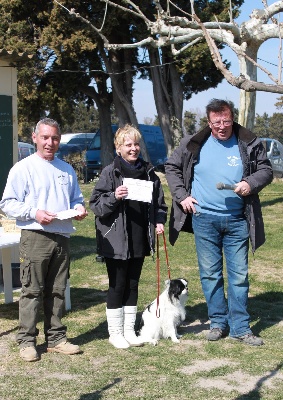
<point x="138" y="189"/>
<point x="67" y="214"/>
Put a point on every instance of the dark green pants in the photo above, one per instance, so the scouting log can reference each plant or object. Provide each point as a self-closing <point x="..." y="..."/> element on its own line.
<point x="44" y="272"/>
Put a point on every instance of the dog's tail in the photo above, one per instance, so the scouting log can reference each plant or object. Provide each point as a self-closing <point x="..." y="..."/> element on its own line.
<point x="140" y="326"/>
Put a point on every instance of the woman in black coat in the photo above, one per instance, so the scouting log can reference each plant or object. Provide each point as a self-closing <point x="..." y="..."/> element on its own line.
<point x="125" y="230"/>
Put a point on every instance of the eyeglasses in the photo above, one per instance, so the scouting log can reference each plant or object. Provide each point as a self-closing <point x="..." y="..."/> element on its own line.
<point x="217" y="124"/>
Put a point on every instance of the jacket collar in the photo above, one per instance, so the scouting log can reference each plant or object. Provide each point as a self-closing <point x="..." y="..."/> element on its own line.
<point x="200" y="137"/>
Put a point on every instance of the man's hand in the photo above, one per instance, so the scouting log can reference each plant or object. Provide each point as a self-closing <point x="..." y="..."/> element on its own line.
<point x="243" y="189"/>
<point x="83" y="213"/>
<point x="44" y="217"/>
<point x="188" y="205"/>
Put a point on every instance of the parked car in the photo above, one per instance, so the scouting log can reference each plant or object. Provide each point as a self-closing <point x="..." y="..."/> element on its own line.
<point x="81" y="139"/>
<point x="25" y="150"/>
<point x="154" y="141"/>
<point x="274" y="150"/>
<point x="66" y="150"/>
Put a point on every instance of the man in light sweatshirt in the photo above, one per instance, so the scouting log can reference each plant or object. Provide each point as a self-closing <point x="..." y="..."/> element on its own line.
<point x="38" y="189"/>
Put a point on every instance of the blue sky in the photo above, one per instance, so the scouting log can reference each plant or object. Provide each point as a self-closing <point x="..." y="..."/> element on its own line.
<point x="143" y="97"/>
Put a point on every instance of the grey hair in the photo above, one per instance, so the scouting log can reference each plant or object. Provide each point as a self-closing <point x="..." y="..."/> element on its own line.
<point x="218" y="105"/>
<point x="47" y="121"/>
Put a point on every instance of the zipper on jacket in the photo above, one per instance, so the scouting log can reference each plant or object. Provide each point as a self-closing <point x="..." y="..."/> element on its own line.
<point x="114" y="224"/>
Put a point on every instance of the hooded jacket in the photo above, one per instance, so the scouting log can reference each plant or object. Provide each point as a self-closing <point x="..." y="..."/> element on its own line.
<point x="110" y="213"/>
<point x="257" y="172"/>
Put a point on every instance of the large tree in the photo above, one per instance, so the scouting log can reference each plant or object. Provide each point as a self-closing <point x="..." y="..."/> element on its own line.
<point x="180" y="32"/>
<point x="72" y="64"/>
<point x="173" y="78"/>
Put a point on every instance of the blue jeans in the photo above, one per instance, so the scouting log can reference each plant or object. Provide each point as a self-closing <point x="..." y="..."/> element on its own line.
<point x="215" y="235"/>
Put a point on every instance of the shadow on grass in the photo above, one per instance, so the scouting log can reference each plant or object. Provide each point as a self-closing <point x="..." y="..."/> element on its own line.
<point x="84" y="298"/>
<point x="81" y="299"/>
<point x="98" y="394"/>
<point x="82" y="246"/>
<point x="265" y="310"/>
<point x="265" y="203"/>
<point x="255" y="393"/>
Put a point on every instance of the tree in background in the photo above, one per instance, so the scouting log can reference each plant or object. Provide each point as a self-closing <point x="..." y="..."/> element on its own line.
<point x="86" y="119"/>
<point x="261" y="126"/>
<point x="270" y="127"/>
<point x="275" y="126"/>
<point x="190" y="123"/>
<point x="75" y="60"/>
<point x="180" y="32"/>
<point x="176" y="78"/>
<point x="72" y="65"/>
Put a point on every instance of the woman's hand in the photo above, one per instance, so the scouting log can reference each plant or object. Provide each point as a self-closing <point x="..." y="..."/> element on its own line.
<point x="121" y="192"/>
<point x="159" y="229"/>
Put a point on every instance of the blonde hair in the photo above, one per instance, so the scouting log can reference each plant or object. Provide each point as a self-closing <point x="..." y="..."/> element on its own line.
<point x="123" y="132"/>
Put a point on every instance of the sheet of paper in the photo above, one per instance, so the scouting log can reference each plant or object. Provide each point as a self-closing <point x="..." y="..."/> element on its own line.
<point x="138" y="189"/>
<point x="67" y="214"/>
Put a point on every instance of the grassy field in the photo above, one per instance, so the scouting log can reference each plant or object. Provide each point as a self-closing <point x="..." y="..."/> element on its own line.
<point x="194" y="369"/>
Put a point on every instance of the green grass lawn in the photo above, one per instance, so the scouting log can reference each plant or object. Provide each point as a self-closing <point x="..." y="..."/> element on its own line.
<point x="194" y="369"/>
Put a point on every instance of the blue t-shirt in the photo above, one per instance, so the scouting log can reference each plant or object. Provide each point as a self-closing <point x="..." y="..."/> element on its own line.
<point x="218" y="161"/>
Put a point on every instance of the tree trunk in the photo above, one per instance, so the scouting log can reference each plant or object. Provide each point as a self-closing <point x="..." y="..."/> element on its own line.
<point x="248" y="99"/>
<point x="177" y="99"/>
<point x="103" y="102"/>
<point x="121" y="97"/>
<point x="162" y="99"/>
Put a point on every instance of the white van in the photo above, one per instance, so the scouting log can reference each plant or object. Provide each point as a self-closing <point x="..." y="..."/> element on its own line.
<point x="274" y="151"/>
<point x="80" y="139"/>
<point x="25" y="150"/>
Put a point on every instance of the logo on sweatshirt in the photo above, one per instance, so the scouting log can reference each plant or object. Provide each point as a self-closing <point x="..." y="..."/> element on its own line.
<point x="63" y="179"/>
<point x="233" y="161"/>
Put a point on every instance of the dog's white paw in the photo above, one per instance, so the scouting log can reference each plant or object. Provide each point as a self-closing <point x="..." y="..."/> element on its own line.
<point x="175" y="340"/>
<point x="154" y="342"/>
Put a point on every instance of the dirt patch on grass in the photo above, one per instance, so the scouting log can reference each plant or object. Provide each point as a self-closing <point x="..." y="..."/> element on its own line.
<point x="207" y="366"/>
<point x="240" y="382"/>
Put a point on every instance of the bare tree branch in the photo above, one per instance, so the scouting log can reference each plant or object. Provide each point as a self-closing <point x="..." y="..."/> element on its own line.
<point x="241" y="82"/>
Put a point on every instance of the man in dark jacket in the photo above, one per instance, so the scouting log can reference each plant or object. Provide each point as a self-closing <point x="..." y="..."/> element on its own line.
<point x="215" y="177"/>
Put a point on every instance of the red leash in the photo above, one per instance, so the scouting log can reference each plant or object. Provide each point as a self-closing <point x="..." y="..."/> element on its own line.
<point x="158" y="270"/>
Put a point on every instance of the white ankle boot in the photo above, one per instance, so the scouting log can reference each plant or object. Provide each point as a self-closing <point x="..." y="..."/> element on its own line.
<point x="115" y="328"/>
<point x="130" y="313"/>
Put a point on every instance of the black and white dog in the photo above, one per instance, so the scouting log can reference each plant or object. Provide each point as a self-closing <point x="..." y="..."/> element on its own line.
<point x="162" y="322"/>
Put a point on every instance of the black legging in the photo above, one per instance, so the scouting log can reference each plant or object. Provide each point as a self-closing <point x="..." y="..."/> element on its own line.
<point x="124" y="278"/>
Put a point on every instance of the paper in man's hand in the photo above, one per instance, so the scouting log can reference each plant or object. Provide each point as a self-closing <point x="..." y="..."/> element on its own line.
<point x="67" y="214"/>
<point x="139" y="189"/>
